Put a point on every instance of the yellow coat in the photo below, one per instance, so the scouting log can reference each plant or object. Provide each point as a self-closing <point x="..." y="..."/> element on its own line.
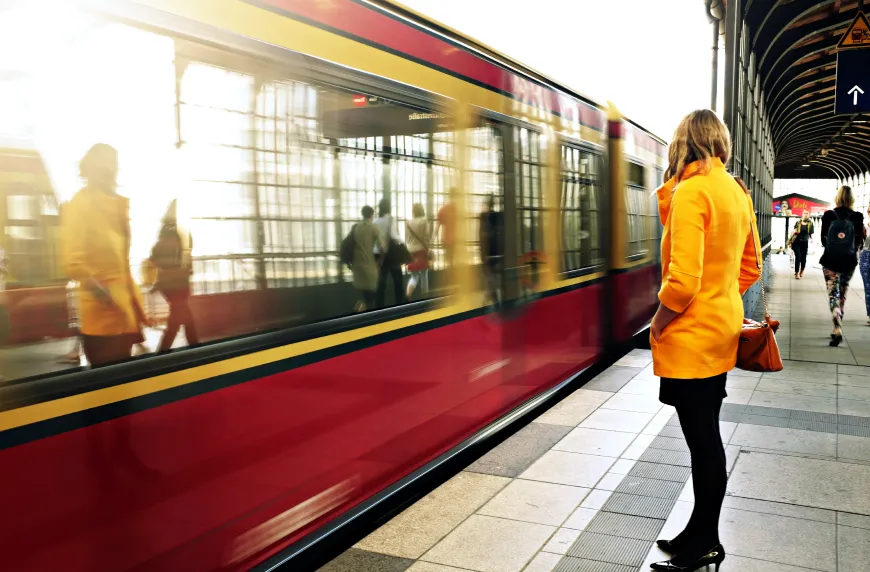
<point x="95" y="243"/>
<point x="708" y="262"/>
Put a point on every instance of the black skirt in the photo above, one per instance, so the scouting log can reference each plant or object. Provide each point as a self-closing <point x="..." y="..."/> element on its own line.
<point x="679" y="392"/>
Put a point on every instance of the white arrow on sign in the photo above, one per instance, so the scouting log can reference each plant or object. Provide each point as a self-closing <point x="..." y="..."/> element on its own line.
<point x="854" y="93"/>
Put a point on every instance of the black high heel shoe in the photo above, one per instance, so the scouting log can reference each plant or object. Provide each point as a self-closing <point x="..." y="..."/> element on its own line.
<point x="835" y="340"/>
<point x="714" y="557"/>
<point x="669" y="546"/>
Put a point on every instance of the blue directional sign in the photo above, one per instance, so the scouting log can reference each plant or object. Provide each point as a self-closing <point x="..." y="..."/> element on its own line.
<point x="853" y="82"/>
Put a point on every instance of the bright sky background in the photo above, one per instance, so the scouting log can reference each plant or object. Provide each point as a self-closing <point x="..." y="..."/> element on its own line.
<point x="652" y="58"/>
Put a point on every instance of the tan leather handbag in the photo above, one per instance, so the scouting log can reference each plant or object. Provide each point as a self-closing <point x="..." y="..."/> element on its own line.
<point x="757" y="350"/>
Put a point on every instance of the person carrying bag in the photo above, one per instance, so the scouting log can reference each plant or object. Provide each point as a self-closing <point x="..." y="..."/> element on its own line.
<point x="418" y="246"/>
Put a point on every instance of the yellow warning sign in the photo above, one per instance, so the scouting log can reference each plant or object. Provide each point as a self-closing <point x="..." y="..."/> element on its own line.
<point x="858" y="34"/>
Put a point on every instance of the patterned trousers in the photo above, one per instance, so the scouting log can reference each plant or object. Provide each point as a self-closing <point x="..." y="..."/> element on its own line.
<point x="837" y="283"/>
<point x="864" y="264"/>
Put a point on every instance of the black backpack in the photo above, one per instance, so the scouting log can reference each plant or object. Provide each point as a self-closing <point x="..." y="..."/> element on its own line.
<point x="348" y="245"/>
<point x="841" y="238"/>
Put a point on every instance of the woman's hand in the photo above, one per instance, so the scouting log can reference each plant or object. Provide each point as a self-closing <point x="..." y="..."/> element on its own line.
<point x="663" y="317"/>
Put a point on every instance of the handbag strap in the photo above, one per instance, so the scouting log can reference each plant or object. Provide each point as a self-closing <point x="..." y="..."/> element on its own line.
<point x="414" y="234"/>
<point x="757" y="254"/>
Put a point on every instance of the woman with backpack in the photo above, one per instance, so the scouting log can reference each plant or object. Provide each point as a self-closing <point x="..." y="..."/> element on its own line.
<point x="842" y="235"/>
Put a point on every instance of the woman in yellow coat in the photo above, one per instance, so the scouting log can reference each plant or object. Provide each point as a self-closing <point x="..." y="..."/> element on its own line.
<point x="708" y="261"/>
<point x="95" y="247"/>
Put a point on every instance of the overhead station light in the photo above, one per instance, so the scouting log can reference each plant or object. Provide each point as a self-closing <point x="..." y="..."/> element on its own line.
<point x="807" y="165"/>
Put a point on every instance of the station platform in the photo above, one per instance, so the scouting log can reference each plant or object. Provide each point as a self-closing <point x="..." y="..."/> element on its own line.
<point x="590" y="484"/>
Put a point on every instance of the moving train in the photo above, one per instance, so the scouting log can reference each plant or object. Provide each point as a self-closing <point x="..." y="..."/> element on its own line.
<point x="272" y="123"/>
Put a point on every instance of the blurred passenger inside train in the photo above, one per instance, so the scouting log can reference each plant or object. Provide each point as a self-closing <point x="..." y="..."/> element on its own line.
<point x="445" y="224"/>
<point x="390" y="257"/>
<point x="842" y="238"/>
<point x="365" y="236"/>
<point x="418" y="245"/>
<point x="95" y="247"/>
<point x="171" y="254"/>
<point x="74" y="356"/>
<point x="492" y="249"/>
<point x="709" y="249"/>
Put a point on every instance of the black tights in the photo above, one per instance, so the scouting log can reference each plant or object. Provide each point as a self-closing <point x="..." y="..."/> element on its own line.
<point x="700" y="424"/>
<point x="800" y="255"/>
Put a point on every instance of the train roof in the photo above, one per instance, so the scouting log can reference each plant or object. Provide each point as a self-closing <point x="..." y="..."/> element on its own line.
<point x="496" y="56"/>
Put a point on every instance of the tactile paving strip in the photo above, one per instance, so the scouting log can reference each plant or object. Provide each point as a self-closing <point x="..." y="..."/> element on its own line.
<point x="854" y="420"/>
<point x="626" y="526"/>
<point x="814" y="416"/>
<point x="638" y="506"/>
<point x="666" y="457"/>
<point x="767" y="411"/>
<point x="571" y="564"/>
<point x="854" y="430"/>
<point x="660" y="472"/>
<point x="650" y="488"/>
<point x="765" y="420"/>
<point x="812" y="425"/>
<point x="672" y="432"/>
<point x="613" y="549"/>
<point x="669" y="444"/>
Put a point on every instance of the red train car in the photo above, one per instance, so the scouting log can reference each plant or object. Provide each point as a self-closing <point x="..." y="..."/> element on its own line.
<point x="298" y="417"/>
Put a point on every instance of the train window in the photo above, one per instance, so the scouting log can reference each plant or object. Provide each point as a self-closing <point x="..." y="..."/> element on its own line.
<point x="639" y="210"/>
<point x="579" y="205"/>
<point x="485" y="183"/>
<point x="527" y="158"/>
<point x="257" y="174"/>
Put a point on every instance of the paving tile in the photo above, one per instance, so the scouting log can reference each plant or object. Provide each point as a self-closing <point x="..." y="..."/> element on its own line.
<point x="490" y="544"/>
<point x="798" y="388"/>
<point x="853" y="520"/>
<point x="854" y="380"/>
<point x="854" y="392"/>
<point x="792" y="365"/>
<point x="783" y="439"/>
<point x="853" y="407"/>
<point x="356" y="560"/>
<point x="791" y="374"/>
<point x="743" y="373"/>
<point x="580" y="518"/>
<point x="741" y="396"/>
<point x="571" y="564"/>
<point x="575" y="408"/>
<point x="669" y="444"/>
<point x="785" y="401"/>
<point x="630" y="360"/>
<point x="738" y="382"/>
<point x="641" y="387"/>
<point x="853" y="370"/>
<point x="688" y="493"/>
<point x="562" y="540"/>
<point x="543" y="562"/>
<point x="816" y="483"/>
<point x="726" y="430"/>
<point x="622" y="466"/>
<point x="731" y="454"/>
<point x="534" y="501"/>
<point x="416" y="529"/>
<point x="610" y="482"/>
<point x="596" y="499"/>
<point x="609" y="419"/>
<point x="734" y="563"/>
<point x="516" y="453"/>
<point x="849" y="447"/>
<point x="853" y="549"/>
<point x="421" y="566"/>
<point x="575" y="469"/>
<point x="629" y="402"/>
<point x="785" y="540"/>
<point x="595" y="442"/>
<point x="670" y="431"/>
<point x="781" y="509"/>
<point x="677" y="520"/>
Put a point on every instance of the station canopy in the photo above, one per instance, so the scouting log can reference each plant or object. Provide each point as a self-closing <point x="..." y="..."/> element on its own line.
<point x="796" y="47"/>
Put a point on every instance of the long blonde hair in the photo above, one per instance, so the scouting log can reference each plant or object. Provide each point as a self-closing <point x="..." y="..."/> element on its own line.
<point x="700" y="136"/>
<point x="845" y="198"/>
